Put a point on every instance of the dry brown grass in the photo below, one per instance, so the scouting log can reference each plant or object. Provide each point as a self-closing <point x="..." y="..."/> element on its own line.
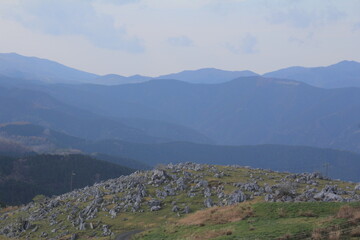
<point x="345" y="212"/>
<point x="356" y="216"/>
<point x="9" y="209"/>
<point x="307" y="213"/>
<point x="355" y="232"/>
<point x="211" y="234"/>
<point x="317" y="234"/>
<point x="350" y="213"/>
<point x="217" y="215"/>
<point x="335" y="235"/>
<point x="285" y="237"/>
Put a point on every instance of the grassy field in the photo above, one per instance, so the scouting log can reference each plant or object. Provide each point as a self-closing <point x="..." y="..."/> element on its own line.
<point x="265" y="221"/>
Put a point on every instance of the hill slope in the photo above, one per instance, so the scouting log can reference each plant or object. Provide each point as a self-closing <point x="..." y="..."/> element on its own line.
<point x="32" y="68"/>
<point x="40" y="108"/>
<point x="145" y="200"/>
<point x="342" y="74"/>
<point x="18" y="139"/>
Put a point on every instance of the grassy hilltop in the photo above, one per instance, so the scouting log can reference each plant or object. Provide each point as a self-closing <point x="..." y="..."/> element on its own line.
<point x="193" y="201"/>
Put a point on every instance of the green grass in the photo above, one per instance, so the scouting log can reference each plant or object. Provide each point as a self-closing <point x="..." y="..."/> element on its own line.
<point x="267" y="223"/>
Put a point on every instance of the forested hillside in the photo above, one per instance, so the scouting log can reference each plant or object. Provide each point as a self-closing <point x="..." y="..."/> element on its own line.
<point x="21" y="179"/>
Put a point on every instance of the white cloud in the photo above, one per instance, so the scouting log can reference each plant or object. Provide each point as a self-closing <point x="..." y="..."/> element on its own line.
<point x="180" y="41"/>
<point x="303" y="17"/>
<point x="79" y="17"/>
<point x="247" y="45"/>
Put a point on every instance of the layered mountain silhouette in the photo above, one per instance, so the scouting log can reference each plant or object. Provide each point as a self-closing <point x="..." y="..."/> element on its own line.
<point x="15" y="66"/>
<point x="342" y="74"/>
<point x="37" y="107"/>
<point x="341" y="164"/>
<point x="33" y="68"/>
<point x="247" y="110"/>
<point x="207" y="75"/>
<point x="251" y="110"/>
<point x="115" y="79"/>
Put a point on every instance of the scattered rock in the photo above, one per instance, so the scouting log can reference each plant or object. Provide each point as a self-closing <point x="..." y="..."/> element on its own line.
<point x="236" y="197"/>
<point x="131" y="193"/>
<point x="208" y="203"/>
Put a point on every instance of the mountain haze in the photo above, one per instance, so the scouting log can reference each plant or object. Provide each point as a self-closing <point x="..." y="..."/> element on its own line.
<point x="342" y="164"/>
<point x="207" y="75"/>
<point x="339" y="75"/>
<point x="114" y="79"/>
<point x="33" y="68"/>
<point x="249" y="110"/>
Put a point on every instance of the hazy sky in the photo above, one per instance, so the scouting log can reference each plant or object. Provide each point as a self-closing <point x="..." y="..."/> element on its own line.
<point x="153" y="37"/>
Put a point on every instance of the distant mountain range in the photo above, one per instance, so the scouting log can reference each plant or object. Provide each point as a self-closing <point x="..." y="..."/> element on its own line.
<point x="207" y="75"/>
<point x="250" y="110"/>
<point x="206" y="107"/>
<point x="114" y="79"/>
<point x="38" y="107"/>
<point x="21" y="138"/>
<point x="342" y="164"/>
<point x="33" y="68"/>
<point x="342" y="74"/>
<point x="56" y="120"/>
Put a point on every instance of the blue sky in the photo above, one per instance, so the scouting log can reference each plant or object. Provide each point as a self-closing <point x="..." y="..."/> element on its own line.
<point x="153" y="37"/>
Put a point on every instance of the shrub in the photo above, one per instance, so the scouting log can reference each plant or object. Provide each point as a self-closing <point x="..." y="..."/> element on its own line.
<point x="285" y="237"/>
<point x="335" y="235"/>
<point x="281" y="212"/>
<point x="39" y="198"/>
<point x="308" y="213"/>
<point x="317" y="234"/>
<point x="355" y="232"/>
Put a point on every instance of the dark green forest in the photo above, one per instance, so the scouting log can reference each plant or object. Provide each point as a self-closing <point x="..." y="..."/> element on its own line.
<point x="23" y="178"/>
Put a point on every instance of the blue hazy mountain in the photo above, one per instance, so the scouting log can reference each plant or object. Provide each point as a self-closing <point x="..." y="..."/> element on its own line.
<point x="342" y="74"/>
<point x="249" y="110"/>
<point x="37" y="107"/>
<point x="115" y="79"/>
<point x="33" y="68"/>
<point x="342" y="164"/>
<point x="207" y="75"/>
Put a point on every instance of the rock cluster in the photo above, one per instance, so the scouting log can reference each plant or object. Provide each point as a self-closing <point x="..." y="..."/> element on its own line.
<point x="135" y="193"/>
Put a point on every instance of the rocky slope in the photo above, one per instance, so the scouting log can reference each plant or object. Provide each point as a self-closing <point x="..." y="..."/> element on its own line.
<point x="147" y="199"/>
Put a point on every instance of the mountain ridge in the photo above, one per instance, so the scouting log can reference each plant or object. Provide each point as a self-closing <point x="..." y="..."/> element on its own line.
<point x="339" y="75"/>
<point x="249" y="110"/>
<point x="33" y="68"/>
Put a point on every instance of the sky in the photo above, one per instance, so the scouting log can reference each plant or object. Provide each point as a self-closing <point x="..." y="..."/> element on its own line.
<point x="155" y="37"/>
